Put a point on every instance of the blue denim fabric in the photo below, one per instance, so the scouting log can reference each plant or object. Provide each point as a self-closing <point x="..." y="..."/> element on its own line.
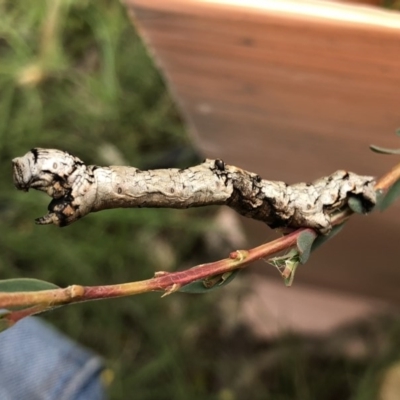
<point x="39" y="363"/>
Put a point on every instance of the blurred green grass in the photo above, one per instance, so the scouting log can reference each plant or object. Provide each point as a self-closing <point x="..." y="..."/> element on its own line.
<point x="74" y="75"/>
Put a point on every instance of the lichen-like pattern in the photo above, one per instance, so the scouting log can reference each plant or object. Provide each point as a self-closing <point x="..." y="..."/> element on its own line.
<point x="78" y="189"/>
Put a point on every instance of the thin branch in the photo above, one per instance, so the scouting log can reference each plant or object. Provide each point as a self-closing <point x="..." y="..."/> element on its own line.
<point x="388" y="180"/>
<point x="162" y="281"/>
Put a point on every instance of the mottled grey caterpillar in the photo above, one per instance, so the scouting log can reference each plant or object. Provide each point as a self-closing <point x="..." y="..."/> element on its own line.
<point x="78" y="189"/>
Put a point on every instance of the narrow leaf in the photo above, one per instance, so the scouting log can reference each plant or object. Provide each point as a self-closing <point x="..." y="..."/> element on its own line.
<point x="380" y="195"/>
<point x="321" y="239"/>
<point x="391" y="196"/>
<point x="304" y="245"/>
<point x="289" y="271"/>
<point x="286" y="265"/>
<point x="25" y="285"/>
<point x="383" y="150"/>
<point x="214" y="282"/>
<point x="356" y="205"/>
<point x="280" y="261"/>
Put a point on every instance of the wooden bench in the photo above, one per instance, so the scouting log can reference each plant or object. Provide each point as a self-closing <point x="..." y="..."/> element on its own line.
<point x="292" y="90"/>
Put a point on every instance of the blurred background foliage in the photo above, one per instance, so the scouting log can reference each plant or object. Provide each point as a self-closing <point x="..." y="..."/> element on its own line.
<point x="74" y="75"/>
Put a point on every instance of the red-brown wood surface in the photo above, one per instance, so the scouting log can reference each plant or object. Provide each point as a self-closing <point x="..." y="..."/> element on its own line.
<point x="292" y="97"/>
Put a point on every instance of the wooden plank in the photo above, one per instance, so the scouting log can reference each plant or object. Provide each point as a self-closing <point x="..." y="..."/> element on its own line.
<point x="293" y="94"/>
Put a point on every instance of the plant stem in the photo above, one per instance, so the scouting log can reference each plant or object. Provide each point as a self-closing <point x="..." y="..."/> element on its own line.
<point x="389" y="179"/>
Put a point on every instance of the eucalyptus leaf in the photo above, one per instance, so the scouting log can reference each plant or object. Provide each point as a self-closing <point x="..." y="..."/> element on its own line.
<point x="206" y="285"/>
<point x="304" y="245"/>
<point x="383" y="150"/>
<point x="287" y="265"/>
<point x="289" y="271"/>
<point x="321" y="239"/>
<point x="25" y="285"/>
<point x="356" y="205"/>
<point x="280" y="261"/>
<point x="380" y="195"/>
<point x="391" y="196"/>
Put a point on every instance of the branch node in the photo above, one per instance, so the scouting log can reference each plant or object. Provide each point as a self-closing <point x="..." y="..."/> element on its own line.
<point x="76" y="291"/>
<point x="239" y="255"/>
<point x="171" y="289"/>
<point x="159" y="274"/>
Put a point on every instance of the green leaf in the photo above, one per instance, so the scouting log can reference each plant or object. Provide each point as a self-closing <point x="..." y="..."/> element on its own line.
<point x="321" y="239"/>
<point x="304" y="245"/>
<point x="307" y="242"/>
<point x="25" y="285"/>
<point x="383" y="150"/>
<point x="280" y="261"/>
<point x="287" y="265"/>
<point x="380" y="195"/>
<point x="391" y="196"/>
<point x="208" y="284"/>
<point x="289" y="271"/>
<point x="356" y="205"/>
